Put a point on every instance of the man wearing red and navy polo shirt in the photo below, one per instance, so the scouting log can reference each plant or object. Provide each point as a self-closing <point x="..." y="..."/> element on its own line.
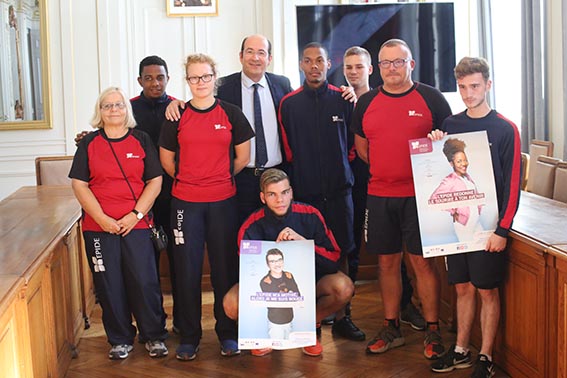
<point x="383" y="121"/>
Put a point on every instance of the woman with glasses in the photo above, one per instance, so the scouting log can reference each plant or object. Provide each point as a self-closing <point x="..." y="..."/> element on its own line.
<point x="116" y="176"/>
<point x="203" y="151"/>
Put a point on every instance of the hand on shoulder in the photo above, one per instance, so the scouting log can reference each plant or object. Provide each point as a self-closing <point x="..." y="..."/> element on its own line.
<point x="172" y="112"/>
<point x="80" y="136"/>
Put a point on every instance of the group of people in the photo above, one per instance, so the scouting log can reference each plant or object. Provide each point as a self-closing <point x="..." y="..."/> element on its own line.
<point x="256" y="160"/>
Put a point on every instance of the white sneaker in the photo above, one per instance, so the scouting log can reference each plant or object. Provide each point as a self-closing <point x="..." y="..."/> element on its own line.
<point x="120" y="351"/>
<point x="156" y="348"/>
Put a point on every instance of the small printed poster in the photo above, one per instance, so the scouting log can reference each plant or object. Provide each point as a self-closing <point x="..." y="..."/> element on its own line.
<point x="455" y="193"/>
<point x="276" y="307"/>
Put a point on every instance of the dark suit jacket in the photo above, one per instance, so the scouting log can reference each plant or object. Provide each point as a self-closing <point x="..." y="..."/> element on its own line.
<point x="230" y="90"/>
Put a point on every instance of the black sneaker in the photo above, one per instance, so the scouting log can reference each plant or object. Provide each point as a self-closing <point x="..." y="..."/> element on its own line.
<point x="411" y="315"/>
<point x="346" y="328"/>
<point x="186" y="352"/>
<point x="483" y="368"/>
<point x="452" y="360"/>
<point x="329" y="320"/>
<point x="229" y="348"/>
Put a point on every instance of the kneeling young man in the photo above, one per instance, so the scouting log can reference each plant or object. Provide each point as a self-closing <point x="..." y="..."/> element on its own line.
<point x="282" y="219"/>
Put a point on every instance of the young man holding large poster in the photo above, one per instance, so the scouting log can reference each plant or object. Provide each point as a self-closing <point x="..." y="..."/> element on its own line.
<point x="282" y="219"/>
<point x="482" y="271"/>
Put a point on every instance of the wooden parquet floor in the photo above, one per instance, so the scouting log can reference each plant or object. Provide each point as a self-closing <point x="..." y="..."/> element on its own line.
<point x="341" y="358"/>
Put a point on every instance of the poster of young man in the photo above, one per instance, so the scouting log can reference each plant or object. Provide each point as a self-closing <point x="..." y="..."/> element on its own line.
<point x="276" y="294"/>
<point x="455" y="193"/>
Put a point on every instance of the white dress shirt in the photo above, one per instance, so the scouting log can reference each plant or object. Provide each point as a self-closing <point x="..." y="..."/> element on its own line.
<point x="269" y="120"/>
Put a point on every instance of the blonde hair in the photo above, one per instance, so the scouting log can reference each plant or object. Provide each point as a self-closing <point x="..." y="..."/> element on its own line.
<point x="201" y="58"/>
<point x="97" y="122"/>
<point x="359" y="51"/>
<point x="272" y="176"/>
<point x="396" y="42"/>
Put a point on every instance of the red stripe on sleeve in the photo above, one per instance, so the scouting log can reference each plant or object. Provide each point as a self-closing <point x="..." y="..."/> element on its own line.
<point x="513" y="198"/>
<point x="333" y="254"/>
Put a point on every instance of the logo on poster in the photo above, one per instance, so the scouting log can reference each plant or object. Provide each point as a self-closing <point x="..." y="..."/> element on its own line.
<point x="420" y="146"/>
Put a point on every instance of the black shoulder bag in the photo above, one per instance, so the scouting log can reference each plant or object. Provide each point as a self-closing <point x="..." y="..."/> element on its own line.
<point x="158" y="235"/>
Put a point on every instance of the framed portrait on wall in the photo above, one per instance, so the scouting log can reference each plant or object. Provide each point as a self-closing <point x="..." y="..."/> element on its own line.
<point x="24" y="80"/>
<point x="188" y="8"/>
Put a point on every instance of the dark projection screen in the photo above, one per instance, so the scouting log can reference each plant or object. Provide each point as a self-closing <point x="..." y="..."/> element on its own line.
<point x="428" y="28"/>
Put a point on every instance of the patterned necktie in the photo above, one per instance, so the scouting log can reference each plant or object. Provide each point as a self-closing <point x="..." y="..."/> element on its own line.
<point x="261" y="150"/>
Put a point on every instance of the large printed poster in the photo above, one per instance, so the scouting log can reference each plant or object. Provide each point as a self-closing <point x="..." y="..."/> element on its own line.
<point x="455" y="193"/>
<point x="276" y="294"/>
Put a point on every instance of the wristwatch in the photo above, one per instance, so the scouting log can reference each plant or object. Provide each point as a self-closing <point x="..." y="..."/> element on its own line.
<point x="139" y="215"/>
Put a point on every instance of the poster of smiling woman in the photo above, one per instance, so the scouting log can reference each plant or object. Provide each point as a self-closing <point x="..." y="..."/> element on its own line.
<point x="455" y="193"/>
<point x="276" y="294"/>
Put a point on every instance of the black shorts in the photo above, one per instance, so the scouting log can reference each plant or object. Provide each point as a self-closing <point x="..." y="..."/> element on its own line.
<point x="324" y="266"/>
<point x="390" y="223"/>
<point x="485" y="270"/>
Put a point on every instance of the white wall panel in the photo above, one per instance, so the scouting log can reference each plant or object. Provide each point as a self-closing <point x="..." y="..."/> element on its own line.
<point x="97" y="43"/>
<point x="94" y="44"/>
<point x="80" y="77"/>
<point x="156" y="34"/>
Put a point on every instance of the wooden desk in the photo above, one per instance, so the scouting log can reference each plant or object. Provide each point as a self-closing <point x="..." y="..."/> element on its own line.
<point x="45" y="290"/>
<point x="12" y="346"/>
<point x="532" y="336"/>
<point x="559" y="250"/>
<point x="542" y="219"/>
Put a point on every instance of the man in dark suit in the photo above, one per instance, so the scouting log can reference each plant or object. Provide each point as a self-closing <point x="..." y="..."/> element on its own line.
<point x="239" y="89"/>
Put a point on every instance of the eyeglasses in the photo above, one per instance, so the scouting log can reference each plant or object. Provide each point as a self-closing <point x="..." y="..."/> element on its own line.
<point x="117" y="105"/>
<point x="195" y="79"/>
<point x="275" y="261"/>
<point x="396" y="62"/>
<point x="260" y="53"/>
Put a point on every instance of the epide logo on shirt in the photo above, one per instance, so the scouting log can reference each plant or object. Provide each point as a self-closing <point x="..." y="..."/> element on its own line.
<point x="220" y="127"/>
<point x="413" y="113"/>
<point x="337" y="118"/>
<point x="130" y="155"/>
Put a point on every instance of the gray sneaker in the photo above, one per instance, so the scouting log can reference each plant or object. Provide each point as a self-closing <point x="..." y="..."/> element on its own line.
<point x="156" y="348"/>
<point x="433" y="343"/>
<point x="411" y="315"/>
<point x="387" y="338"/>
<point x="120" y="351"/>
